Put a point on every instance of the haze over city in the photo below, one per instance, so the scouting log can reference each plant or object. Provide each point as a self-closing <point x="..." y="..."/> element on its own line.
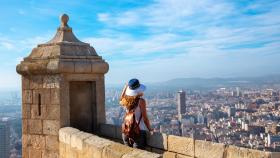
<point x="152" y="40"/>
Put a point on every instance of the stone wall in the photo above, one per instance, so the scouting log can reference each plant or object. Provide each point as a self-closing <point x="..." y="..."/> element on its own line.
<point x="77" y="144"/>
<point x="171" y="146"/>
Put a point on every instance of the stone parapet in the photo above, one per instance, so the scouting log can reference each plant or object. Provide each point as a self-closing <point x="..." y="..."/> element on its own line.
<point x="74" y="143"/>
<point x="170" y="146"/>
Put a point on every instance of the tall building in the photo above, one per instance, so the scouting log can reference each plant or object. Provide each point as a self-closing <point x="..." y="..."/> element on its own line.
<point x="4" y="138"/>
<point x="181" y="101"/>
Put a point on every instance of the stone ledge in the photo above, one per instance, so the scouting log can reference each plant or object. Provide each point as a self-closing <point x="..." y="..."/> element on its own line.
<point x="82" y="144"/>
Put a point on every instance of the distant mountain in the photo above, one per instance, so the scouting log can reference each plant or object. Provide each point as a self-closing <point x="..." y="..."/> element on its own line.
<point x="210" y="83"/>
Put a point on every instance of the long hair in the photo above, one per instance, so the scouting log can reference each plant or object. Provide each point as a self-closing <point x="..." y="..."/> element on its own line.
<point x="129" y="102"/>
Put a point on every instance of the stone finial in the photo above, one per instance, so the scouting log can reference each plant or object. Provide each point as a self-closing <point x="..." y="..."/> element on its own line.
<point x="64" y="18"/>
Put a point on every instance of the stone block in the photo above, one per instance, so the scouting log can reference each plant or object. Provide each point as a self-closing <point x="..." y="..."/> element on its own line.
<point x="275" y="154"/>
<point x="35" y="126"/>
<point x="37" y="113"/>
<point x="107" y="130"/>
<point x="62" y="149"/>
<point x="157" y="140"/>
<point x="33" y="153"/>
<point x="205" y="148"/>
<point x="77" y="140"/>
<point x="25" y="152"/>
<point x="50" y="154"/>
<point x="36" y="82"/>
<point x="67" y="66"/>
<point x="52" y="142"/>
<point x="83" y="67"/>
<point x="141" y="154"/>
<point x="183" y="156"/>
<point x="26" y="111"/>
<point x="182" y="145"/>
<point x="25" y="83"/>
<point x="95" y="145"/>
<point x="24" y="126"/>
<point x="51" y="127"/>
<point x="238" y="152"/>
<point x="27" y="96"/>
<point x="115" y="150"/>
<point x="51" y="81"/>
<point x="65" y="134"/>
<point x="25" y="140"/>
<point x="52" y="112"/>
<point x="55" y="96"/>
<point x="37" y="142"/>
<point x="169" y="155"/>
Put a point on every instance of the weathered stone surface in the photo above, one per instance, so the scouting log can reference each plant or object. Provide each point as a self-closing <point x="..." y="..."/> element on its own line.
<point x="95" y="145"/>
<point x="141" y="154"/>
<point x="55" y="96"/>
<point x="168" y="154"/>
<point x="50" y="127"/>
<point x="83" y="67"/>
<point x="77" y="140"/>
<point x="65" y="134"/>
<point x="27" y="96"/>
<point x="35" y="126"/>
<point x="108" y="130"/>
<point x="37" y="113"/>
<point x="275" y="154"/>
<point x="52" y="142"/>
<point x="36" y="82"/>
<point x="26" y="111"/>
<point x="33" y="153"/>
<point x="52" y="112"/>
<point x="115" y="150"/>
<point x="25" y="83"/>
<point x="238" y="152"/>
<point x="184" y="156"/>
<point x="157" y="140"/>
<point x="24" y="126"/>
<point x="25" y="140"/>
<point x="205" y="148"/>
<point x="37" y="142"/>
<point x="181" y="145"/>
<point x="50" y="154"/>
<point x="51" y="81"/>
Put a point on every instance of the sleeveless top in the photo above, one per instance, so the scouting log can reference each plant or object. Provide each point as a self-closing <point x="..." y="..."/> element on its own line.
<point x="137" y="116"/>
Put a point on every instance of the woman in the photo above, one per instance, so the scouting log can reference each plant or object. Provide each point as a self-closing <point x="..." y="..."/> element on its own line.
<point x="136" y="116"/>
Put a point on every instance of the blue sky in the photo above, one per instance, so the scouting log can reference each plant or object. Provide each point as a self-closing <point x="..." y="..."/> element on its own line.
<point x="154" y="40"/>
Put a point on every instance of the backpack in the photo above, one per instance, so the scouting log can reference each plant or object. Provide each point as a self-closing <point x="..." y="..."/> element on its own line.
<point x="130" y="127"/>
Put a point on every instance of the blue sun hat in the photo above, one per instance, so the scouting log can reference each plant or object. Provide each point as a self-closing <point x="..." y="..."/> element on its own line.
<point x="134" y="87"/>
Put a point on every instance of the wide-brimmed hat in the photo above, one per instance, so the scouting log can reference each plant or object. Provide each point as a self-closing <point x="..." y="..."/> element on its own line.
<point x="134" y="87"/>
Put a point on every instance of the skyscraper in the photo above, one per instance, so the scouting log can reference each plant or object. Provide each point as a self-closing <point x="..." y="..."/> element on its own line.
<point x="181" y="101"/>
<point x="4" y="138"/>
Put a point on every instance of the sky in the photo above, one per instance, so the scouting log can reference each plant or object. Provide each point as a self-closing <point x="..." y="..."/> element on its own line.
<point x="153" y="40"/>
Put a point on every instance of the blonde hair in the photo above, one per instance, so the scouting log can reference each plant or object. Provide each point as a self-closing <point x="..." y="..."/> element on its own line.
<point x="129" y="101"/>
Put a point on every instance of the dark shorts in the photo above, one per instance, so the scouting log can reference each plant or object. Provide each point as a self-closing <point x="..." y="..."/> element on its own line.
<point x="139" y="142"/>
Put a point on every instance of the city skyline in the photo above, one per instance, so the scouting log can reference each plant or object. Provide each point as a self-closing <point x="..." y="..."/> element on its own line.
<point x="151" y="40"/>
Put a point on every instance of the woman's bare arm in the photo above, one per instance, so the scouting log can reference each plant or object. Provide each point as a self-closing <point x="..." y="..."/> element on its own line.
<point x="142" y="104"/>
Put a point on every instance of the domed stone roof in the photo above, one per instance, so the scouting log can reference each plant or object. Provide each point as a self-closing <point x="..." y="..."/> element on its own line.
<point x="63" y="54"/>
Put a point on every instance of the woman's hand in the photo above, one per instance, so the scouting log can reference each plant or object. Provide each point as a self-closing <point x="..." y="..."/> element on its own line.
<point x="151" y="131"/>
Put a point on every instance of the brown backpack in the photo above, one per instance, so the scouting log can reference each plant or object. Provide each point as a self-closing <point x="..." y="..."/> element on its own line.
<point x="130" y="126"/>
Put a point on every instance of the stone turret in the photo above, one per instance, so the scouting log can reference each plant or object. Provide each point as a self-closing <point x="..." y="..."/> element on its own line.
<point x="62" y="85"/>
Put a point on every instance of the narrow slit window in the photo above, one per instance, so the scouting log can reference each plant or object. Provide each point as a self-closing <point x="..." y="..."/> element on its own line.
<point x="39" y="104"/>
